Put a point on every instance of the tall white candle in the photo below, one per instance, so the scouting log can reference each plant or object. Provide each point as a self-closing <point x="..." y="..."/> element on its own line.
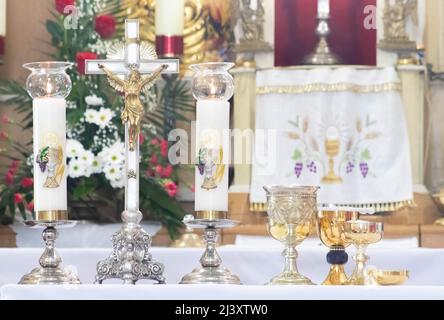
<point x="50" y="171"/>
<point x="212" y="149"/>
<point x="170" y="16"/>
<point x="324" y="6"/>
<point x="2" y="17"/>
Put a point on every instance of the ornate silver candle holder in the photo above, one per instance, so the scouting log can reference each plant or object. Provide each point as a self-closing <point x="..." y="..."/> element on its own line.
<point x="322" y="55"/>
<point x="211" y="270"/>
<point x="50" y="271"/>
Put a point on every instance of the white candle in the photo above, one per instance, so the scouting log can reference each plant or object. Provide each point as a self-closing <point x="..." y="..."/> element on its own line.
<point x="50" y="170"/>
<point x="2" y="17"/>
<point x="211" y="179"/>
<point x="170" y="16"/>
<point x="324" y="6"/>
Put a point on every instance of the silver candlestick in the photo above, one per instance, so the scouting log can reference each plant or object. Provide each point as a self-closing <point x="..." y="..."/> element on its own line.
<point x="211" y="270"/>
<point x="50" y="271"/>
<point x="322" y="55"/>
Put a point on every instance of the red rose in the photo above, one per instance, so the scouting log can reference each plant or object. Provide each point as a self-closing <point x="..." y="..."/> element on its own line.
<point x="30" y="206"/>
<point x="141" y="138"/>
<point x="4" y="135"/>
<point x="61" y="4"/>
<point x="170" y="188"/>
<point x="164" y="148"/>
<point x="9" y="178"/>
<point x="167" y="171"/>
<point x="154" y="160"/>
<point x="18" y="198"/>
<point x="80" y="59"/>
<point x="106" y="26"/>
<point x="27" y="182"/>
<point x="159" y="169"/>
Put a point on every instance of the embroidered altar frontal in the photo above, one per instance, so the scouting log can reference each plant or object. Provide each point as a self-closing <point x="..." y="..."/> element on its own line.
<point x="342" y="129"/>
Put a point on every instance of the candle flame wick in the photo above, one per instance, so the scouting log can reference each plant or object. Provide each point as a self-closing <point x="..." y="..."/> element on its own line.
<point x="49" y="88"/>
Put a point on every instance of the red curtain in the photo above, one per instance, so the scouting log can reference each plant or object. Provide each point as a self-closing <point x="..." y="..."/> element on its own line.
<point x="295" y="31"/>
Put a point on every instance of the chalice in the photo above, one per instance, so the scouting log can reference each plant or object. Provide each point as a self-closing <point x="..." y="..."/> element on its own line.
<point x="291" y="212"/>
<point x="361" y="234"/>
<point x="330" y="225"/>
<point x="332" y="146"/>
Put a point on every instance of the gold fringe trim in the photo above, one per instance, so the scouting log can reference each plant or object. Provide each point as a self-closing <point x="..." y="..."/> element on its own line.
<point x="325" y="87"/>
<point x="378" y="207"/>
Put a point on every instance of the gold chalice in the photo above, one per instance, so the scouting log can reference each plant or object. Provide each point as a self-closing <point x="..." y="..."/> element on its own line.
<point x="332" y="150"/>
<point x="330" y="225"/>
<point x="291" y="213"/>
<point x="361" y="234"/>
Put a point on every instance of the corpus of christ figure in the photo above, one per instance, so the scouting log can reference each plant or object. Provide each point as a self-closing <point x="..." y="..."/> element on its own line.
<point x="132" y="87"/>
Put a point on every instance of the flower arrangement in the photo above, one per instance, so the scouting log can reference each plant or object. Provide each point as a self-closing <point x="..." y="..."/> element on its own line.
<point x="95" y="147"/>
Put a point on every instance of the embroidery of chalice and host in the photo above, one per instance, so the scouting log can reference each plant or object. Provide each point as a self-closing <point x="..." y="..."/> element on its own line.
<point x="336" y="135"/>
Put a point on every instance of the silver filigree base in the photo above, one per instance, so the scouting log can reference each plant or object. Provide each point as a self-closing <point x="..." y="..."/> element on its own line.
<point x="211" y="271"/>
<point x="130" y="260"/>
<point x="50" y="271"/>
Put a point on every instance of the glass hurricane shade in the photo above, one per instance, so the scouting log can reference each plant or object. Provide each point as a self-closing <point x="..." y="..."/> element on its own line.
<point x="211" y="81"/>
<point x="48" y="79"/>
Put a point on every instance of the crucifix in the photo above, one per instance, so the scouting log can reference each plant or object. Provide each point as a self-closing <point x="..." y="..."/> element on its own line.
<point x="131" y="67"/>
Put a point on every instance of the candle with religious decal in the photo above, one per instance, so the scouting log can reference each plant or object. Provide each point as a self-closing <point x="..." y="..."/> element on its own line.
<point x="170" y="17"/>
<point x="324" y="7"/>
<point x="212" y="86"/>
<point x="49" y="85"/>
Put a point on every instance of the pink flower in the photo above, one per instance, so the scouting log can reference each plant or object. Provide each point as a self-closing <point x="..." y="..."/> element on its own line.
<point x="167" y="171"/>
<point x="27" y="182"/>
<point x="149" y="172"/>
<point x="170" y="188"/>
<point x="154" y="142"/>
<point x="9" y="178"/>
<point x="4" y="135"/>
<point x="18" y="198"/>
<point x="141" y="138"/>
<point x="4" y="119"/>
<point x="61" y="4"/>
<point x="159" y="169"/>
<point x="30" y="206"/>
<point x="154" y="160"/>
<point x="164" y="148"/>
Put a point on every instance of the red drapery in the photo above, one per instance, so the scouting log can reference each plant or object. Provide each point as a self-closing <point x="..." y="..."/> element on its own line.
<point x="295" y="31"/>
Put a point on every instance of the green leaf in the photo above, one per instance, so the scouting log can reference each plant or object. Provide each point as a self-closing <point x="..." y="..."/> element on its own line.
<point x="297" y="155"/>
<point x="365" y="155"/>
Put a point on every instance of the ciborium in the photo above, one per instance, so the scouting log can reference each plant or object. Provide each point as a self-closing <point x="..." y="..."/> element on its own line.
<point x="330" y="225"/>
<point x="361" y="234"/>
<point x="291" y="213"/>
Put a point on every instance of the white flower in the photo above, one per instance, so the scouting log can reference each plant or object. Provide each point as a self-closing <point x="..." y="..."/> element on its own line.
<point x="91" y="116"/>
<point x="113" y="155"/>
<point x="87" y="171"/>
<point x="73" y="148"/>
<point x="75" y="168"/>
<point x="86" y="157"/>
<point x="104" y="117"/>
<point x="96" y="166"/>
<point x="113" y="173"/>
<point x="117" y="184"/>
<point x="94" y="101"/>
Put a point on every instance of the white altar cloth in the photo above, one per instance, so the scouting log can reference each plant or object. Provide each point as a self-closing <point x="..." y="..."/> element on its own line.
<point x="218" y="292"/>
<point x="425" y="265"/>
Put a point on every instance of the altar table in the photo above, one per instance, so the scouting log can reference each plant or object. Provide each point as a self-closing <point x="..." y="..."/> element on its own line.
<point x="254" y="265"/>
<point x="219" y="292"/>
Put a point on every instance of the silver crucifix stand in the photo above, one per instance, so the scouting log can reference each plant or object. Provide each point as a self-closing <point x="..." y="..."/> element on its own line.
<point x="130" y="259"/>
